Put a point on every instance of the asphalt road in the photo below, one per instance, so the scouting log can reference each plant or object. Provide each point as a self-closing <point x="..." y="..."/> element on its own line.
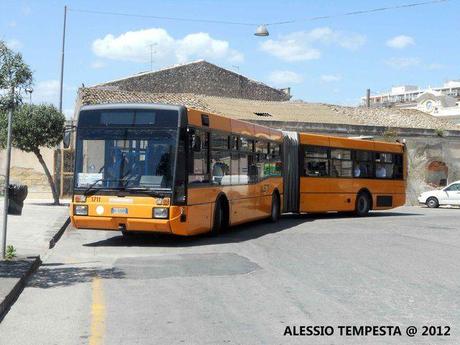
<point x="396" y="268"/>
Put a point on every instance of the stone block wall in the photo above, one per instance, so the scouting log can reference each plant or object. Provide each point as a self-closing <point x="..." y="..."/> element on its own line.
<point x="199" y="78"/>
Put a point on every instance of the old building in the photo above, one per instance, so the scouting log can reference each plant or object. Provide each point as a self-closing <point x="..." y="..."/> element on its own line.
<point x="199" y="77"/>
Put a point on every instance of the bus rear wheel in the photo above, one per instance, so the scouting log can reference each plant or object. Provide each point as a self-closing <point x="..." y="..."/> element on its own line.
<point x="276" y="210"/>
<point x="363" y="205"/>
<point x="219" y="219"/>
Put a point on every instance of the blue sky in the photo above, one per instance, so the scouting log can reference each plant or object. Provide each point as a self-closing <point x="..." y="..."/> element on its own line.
<point x="331" y="60"/>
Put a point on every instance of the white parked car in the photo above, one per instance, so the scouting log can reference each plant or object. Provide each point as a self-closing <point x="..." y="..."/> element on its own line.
<point x="449" y="195"/>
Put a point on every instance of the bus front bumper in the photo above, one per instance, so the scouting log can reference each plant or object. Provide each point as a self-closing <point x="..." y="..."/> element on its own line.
<point x="115" y="223"/>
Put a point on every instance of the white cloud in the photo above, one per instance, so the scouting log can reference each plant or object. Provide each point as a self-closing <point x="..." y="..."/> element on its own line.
<point x="47" y="91"/>
<point x="329" y="78"/>
<point x="14" y="44"/>
<point x="291" y="49"/>
<point x="12" y="24"/>
<point x="404" y="62"/>
<point x="136" y="46"/>
<point x="285" y="77"/>
<point x="400" y="42"/>
<point x="302" y="45"/>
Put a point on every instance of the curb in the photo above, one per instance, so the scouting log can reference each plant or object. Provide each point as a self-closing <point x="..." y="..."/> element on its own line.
<point x="12" y="296"/>
<point x="59" y="233"/>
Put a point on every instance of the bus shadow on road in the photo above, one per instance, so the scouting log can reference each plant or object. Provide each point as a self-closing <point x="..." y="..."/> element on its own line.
<point x="235" y="234"/>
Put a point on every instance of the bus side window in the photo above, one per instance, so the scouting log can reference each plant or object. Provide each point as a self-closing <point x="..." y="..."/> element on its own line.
<point x="341" y="164"/>
<point x="398" y="168"/>
<point x="316" y="161"/>
<point x="198" y="171"/>
<point x="363" y="166"/>
<point x="384" y="165"/>
<point x="262" y="158"/>
<point x="275" y="159"/>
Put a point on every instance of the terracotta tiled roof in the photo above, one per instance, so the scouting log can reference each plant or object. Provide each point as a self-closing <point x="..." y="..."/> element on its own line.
<point x="287" y="111"/>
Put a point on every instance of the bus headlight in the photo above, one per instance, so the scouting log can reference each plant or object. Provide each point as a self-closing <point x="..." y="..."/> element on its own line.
<point x="80" y="210"/>
<point x="160" y="212"/>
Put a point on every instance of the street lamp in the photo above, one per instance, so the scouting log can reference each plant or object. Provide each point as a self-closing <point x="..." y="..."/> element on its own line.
<point x="29" y="90"/>
<point x="262" y="30"/>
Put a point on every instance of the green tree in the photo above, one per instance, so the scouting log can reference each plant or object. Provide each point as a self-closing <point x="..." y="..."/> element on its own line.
<point x="35" y="126"/>
<point x="15" y="77"/>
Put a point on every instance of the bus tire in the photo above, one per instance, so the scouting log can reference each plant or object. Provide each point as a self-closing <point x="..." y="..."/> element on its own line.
<point x="219" y="219"/>
<point x="128" y="234"/>
<point x="363" y="204"/>
<point x="275" y="210"/>
<point x="432" y="202"/>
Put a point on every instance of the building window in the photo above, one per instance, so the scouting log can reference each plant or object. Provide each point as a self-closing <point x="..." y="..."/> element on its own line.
<point x="436" y="174"/>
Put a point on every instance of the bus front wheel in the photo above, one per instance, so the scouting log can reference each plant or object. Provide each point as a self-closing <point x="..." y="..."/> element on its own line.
<point x="275" y="212"/>
<point x="363" y="205"/>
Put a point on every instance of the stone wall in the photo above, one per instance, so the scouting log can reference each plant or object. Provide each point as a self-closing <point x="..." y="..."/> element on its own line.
<point x="26" y="169"/>
<point x="199" y="78"/>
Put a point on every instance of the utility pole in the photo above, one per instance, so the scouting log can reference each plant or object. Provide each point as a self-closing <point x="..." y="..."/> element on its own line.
<point x="240" y="91"/>
<point x="7" y="175"/>
<point x="62" y="60"/>
<point x="368" y="98"/>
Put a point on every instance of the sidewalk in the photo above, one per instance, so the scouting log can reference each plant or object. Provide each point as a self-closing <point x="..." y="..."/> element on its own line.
<point x="30" y="234"/>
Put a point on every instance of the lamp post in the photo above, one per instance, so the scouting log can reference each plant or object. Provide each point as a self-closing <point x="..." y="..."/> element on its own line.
<point x="7" y="175"/>
<point x="62" y="60"/>
<point x="29" y="90"/>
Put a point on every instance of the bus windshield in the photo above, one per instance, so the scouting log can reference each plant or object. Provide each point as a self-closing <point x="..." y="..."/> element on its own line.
<point x="124" y="158"/>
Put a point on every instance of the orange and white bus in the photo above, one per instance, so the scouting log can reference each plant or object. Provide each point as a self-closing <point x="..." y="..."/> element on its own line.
<point x="172" y="169"/>
<point x="343" y="174"/>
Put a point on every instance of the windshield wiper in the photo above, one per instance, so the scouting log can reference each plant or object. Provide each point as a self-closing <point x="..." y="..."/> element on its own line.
<point x="91" y="186"/>
<point x="143" y="190"/>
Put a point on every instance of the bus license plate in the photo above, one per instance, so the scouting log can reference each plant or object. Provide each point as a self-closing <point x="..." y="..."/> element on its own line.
<point x="119" y="210"/>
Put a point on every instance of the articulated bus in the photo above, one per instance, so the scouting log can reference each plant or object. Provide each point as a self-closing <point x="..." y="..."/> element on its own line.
<point x="342" y="174"/>
<point x="163" y="168"/>
<point x="172" y="169"/>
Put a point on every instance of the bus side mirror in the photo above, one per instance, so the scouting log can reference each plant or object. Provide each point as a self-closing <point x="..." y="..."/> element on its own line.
<point x="66" y="139"/>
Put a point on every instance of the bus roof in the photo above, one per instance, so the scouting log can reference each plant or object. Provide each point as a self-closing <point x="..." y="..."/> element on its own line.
<point x="194" y="117"/>
<point x="342" y="142"/>
<point x="226" y="124"/>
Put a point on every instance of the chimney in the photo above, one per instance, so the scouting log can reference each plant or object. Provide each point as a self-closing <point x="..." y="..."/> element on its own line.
<point x="287" y="91"/>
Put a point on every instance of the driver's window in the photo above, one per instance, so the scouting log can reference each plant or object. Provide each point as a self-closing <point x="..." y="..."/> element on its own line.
<point x="198" y="170"/>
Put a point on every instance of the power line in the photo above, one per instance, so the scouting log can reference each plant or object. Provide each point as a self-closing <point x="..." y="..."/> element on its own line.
<point x="178" y="19"/>
<point x="211" y="21"/>
<point x="359" y="12"/>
